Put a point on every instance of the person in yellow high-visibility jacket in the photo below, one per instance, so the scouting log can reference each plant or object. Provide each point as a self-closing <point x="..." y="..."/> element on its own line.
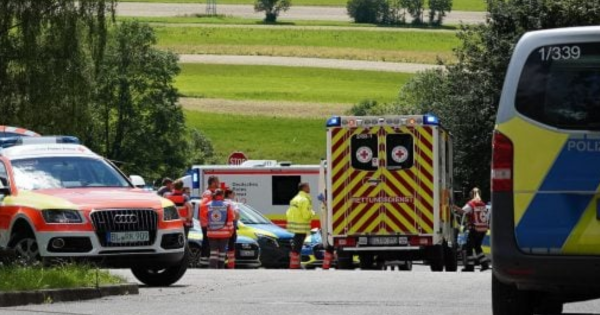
<point x="299" y="217"/>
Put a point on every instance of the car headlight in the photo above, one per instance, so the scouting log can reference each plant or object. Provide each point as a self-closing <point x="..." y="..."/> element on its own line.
<point x="62" y="216"/>
<point x="268" y="240"/>
<point x="170" y="214"/>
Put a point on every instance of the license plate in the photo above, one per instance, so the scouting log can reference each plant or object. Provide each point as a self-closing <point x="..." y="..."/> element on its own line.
<point x="128" y="237"/>
<point x="383" y="241"/>
<point x="247" y="253"/>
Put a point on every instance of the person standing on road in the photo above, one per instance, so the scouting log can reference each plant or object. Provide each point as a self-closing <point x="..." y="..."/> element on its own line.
<point x="220" y="228"/>
<point x="213" y="184"/>
<point x="329" y="250"/>
<point x="478" y="215"/>
<point x="182" y="202"/>
<point x="167" y="186"/>
<point x="299" y="216"/>
<point x="230" y="200"/>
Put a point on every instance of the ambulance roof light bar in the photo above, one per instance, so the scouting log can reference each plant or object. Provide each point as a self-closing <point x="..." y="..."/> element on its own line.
<point x="334" y="121"/>
<point x="8" y="142"/>
<point x="371" y="121"/>
<point x="430" y="119"/>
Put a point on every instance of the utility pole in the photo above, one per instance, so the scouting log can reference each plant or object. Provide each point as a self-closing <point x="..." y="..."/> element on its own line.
<point x="211" y="7"/>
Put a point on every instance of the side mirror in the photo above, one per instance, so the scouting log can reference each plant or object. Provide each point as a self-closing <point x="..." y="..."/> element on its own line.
<point x="137" y="181"/>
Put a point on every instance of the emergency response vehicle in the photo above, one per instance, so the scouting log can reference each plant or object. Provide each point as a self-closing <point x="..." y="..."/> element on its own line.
<point x="59" y="200"/>
<point x="546" y="174"/>
<point x="267" y="185"/>
<point x="388" y="183"/>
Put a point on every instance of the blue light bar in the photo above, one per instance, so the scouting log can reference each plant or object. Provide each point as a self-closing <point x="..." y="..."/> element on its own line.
<point x="430" y="120"/>
<point x="8" y="142"/>
<point x="334" y="121"/>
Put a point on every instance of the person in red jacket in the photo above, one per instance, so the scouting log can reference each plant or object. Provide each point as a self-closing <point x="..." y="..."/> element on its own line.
<point x="213" y="184"/>
<point x="220" y="228"/>
<point x="230" y="199"/>
<point x="478" y="215"/>
<point x="182" y="202"/>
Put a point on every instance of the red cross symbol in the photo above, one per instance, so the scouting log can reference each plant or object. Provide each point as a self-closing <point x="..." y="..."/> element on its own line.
<point x="364" y="154"/>
<point x="400" y="154"/>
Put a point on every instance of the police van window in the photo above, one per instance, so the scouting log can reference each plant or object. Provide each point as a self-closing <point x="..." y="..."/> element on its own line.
<point x="284" y="189"/>
<point x="364" y="151"/>
<point x="399" y="151"/>
<point x="560" y="86"/>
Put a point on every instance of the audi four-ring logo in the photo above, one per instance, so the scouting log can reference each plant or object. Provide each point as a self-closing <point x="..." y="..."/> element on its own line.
<point x="126" y="218"/>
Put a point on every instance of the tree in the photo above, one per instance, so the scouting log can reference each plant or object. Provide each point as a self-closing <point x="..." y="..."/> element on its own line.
<point x="49" y="53"/>
<point x="466" y="94"/>
<point x="438" y="10"/>
<point x="368" y="11"/>
<point x="272" y="8"/>
<point x="139" y="120"/>
<point x="415" y="8"/>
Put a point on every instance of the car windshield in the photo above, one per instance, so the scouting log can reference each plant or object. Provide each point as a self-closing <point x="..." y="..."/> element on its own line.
<point x="249" y="215"/>
<point x="65" y="172"/>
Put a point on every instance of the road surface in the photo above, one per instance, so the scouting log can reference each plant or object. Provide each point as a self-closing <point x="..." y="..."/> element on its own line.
<point x="276" y="292"/>
<point x="247" y="11"/>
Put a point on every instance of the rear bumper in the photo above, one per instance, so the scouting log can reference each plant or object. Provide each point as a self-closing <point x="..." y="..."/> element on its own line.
<point x="573" y="276"/>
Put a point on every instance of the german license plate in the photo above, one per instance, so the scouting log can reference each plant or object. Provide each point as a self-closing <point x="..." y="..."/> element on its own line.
<point x="247" y="253"/>
<point x="128" y="237"/>
<point x="383" y="240"/>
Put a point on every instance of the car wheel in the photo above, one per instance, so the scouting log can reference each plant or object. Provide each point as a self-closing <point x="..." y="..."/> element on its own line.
<point x="406" y="266"/>
<point x="345" y="261"/>
<point x="450" y="258"/>
<point x="154" y="277"/>
<point x="508" y="300"/>
<point x="436" y="258"/>
<point x="26" y="247"/>
<point x="195" y="254"/>
<point x="366" y="262"/>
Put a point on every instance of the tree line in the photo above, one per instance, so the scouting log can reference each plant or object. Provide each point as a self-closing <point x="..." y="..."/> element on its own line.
<point x="66" y="67"/>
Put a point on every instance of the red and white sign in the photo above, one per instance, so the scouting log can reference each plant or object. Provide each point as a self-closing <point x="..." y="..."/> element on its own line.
<point x="237" y="158"/>
<point x="399" y="154"/>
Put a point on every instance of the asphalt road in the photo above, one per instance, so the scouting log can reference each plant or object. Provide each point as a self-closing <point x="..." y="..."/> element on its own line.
<point x="266" y="292"/>
<point x="247" y="11"/>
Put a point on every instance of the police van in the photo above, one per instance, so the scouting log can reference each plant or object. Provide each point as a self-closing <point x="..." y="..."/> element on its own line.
<point x="546" y="174"/>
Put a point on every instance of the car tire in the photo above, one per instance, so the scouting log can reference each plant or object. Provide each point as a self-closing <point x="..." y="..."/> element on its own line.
<point x="436" y="258"/>
<point x="407" y="266"/>
<point x="162" y="277"/>
<point x="450" y="258"/>
<point x="345" y="261"/>
<point x="549" y="308"/>
<point x="195" y="254"/>
<point x="366" y="262"/>
<point x="508" y="300"/>
<point x="26" y="247"/>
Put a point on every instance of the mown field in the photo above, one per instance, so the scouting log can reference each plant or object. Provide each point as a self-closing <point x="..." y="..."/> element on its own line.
<point x="459" y="5"/>
<point x="409" y="46"/>
<point x="299" y="140"/>
<point x="288" y="83"/>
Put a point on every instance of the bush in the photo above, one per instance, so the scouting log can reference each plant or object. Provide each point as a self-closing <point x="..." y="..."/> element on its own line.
<point x="368" y="11"/>
<point x="272" y="8"/>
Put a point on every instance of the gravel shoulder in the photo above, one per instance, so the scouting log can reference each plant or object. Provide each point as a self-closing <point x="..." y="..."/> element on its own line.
<point x="246" y="11"/>
<point x="308" y="62"/>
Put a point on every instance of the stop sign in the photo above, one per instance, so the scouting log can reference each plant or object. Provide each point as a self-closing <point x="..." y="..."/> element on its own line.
<point x="236" y="158"/>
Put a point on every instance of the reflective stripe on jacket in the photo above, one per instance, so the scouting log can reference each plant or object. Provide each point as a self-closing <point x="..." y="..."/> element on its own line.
<point x="226" y="229"/>
<point x="300" y="214"/>
<point x="479" y="216"/>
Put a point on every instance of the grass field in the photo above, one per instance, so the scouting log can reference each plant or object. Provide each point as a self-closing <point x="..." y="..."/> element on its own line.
<point x="287" y="83"/>
<point x="261" y="137"/>
<point x="459" y="5"/>
<point x="409" y="46"/>
<point x="231" y="20"/>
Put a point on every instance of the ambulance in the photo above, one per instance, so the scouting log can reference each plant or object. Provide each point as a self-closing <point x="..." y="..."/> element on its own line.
<point x="387" y="185"/>
<point x="266" y="185"/>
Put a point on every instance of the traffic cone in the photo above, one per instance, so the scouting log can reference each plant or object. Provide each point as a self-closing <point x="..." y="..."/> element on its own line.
<point x="327" y="260"/>
<point x="231" y="259"/>
<point x="294" y="261"/>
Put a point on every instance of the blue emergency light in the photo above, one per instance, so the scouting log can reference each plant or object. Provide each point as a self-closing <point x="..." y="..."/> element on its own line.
<point x="430" y="120"/>
<point x="8" y="142"/>
<point x="334" y="121"/>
